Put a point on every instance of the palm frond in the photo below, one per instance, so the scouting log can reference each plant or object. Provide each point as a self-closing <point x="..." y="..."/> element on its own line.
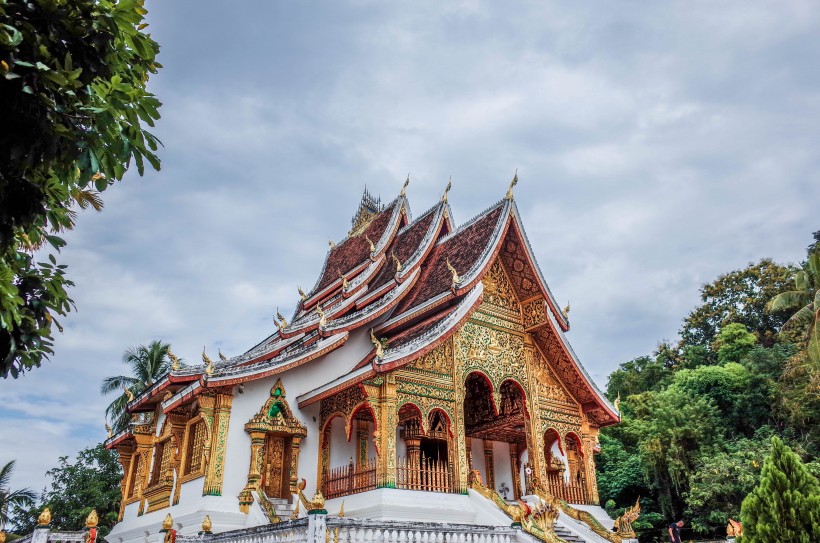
<point x="116" y="383"/>
<point x="801" y="319"/>
<point x="791" y="299"/>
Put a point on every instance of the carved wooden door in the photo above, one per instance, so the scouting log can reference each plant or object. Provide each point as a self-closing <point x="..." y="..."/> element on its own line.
<point x="273" y="476"/>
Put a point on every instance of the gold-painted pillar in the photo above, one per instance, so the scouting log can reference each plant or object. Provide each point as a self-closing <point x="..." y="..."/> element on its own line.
<point x="489" y="463"/>
<point x="589" y="455"/>
<point x="469" y="443"/>
<point x="215" y="470"/>
<point x="414" y="459"/>
<point x="144" y="435"/>
<point x="126" y="453"/>
<point x="294" y="463"/>
<point x="388" y="420"/>
<point x="460" y="457"/>
<point x="515" y="464"/>
<point x="254" y="470"/>
<point x="532" y="426"/>
<point x="324" y="457"/>
<point x="362" y="431"/>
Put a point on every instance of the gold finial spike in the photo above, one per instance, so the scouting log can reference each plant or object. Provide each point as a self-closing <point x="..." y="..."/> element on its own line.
<point x="565" y="312"/>
<point x="446" y="190"/>
<point x="301" y="293"/>
<point x="222" y="357"/>
<point x="322" y="317"/>
<point x="331" y="244"/>
<point x="128" y="394"/>
<point x="174" y="360"/>
<point x="342" y="510"/>
<point x="45" y="517"/>
<point x="513" y="183"/>
<point x="92" y="519"/>
<point x="404" y="188"/>
<point x="456" y="278"/>
<point x="370" y="242"/>
<point x="206" y="524"/>
<point x="281" y="318"/>
<point x="109" y="431"/>
<point x="168" y="523"/>
<point x="209" y="364"/>
<point x="345" y="284"/>
<point x="617" y="402"/>
<point x="397" y="261"/>
<point x="378" y="344"/>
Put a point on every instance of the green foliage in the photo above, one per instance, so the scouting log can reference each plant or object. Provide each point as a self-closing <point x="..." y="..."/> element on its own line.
<point x="621" y="472"/>
<point x="148" y="364"/>
<point x="739" y="296"/>
<point x="9" y="498"/>
<point x="785" y="505"/>
<point x="733" y="342"/>
<point x="639" y="375"/>
<point x="74" y="104"/>
<point x="92" y="482"/>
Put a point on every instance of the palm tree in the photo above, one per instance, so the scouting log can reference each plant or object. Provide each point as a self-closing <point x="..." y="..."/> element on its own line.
<point x="148" y="365"/>
<point x="805" y="299"/>
<point x="8" y="499"/>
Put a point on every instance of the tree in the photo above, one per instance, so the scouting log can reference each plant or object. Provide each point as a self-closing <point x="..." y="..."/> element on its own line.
<point x="11" y="498"/>
<point x="733" y="342"/>
<point x="739" y="296"/>
<point x="92" y="482"/>
<point x="73" y="101"/>
<point x="148" y="365"/>
<point x="785" y="506"/>
<point x="804" y="305"/>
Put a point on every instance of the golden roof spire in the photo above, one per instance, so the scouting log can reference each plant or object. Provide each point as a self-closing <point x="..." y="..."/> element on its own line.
<point x="456" y="278"/>
<point x="281" y="318"/>
<point x="378" y="344"/>
<point x="322" y="318"/>
<point x="92" y="519"/>
<point x="109" y="431"/>
<point x="397" y="261"/>
<point x="209" y="366"/>
<point x="174" y="360"/>
<point x="513" y="183"/>
<point x="342" y="510"/>
<point x="370" y="242"/>
<point x="301" y="293"/>
<point x="222" y="357"/>
<point x="128" y="394"/>
<point x="446" y="190"/>
<point x="404" y="188"/>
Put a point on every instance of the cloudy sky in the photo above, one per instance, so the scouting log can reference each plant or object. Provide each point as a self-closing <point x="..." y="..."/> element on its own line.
<point x="658" y="145"/>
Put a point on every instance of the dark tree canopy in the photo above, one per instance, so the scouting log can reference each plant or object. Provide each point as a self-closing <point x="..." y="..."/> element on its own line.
<point x="74" y="104"/>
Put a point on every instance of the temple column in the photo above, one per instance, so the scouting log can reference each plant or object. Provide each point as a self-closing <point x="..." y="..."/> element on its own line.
<point x="469" y="443"/>
<point x="254" y="470"/>
<point x="413" y="446"/>
<point x="362" y="430"/>
<point x="589" y="455"/>
<point x="488" y="463"/>
<point x="324" y="457"/>
<point x="532" y="425"/>
<point x="215" y="470"/>
<point x="460" y="457"/>
<point x="125" y="453"/>
<point x="294" y="463"/>
<point x="144" y="436"/>
<point x="516" y="470"/>
<point x="386" y="407"/>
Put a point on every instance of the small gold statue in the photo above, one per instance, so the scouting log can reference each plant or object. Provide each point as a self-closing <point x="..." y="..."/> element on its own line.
<point x="92" y="519"/>
<point x="168" y="523"/>
<point x="45" y="517"/>
<point x="206" y="524"/>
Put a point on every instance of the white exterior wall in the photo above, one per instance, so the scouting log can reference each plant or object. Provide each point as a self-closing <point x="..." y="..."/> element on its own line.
<point x="477" y="448"/>
<point x="502" y="466"/>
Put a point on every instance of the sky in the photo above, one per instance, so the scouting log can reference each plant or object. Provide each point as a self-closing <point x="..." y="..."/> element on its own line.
<point x="658" y="145"/>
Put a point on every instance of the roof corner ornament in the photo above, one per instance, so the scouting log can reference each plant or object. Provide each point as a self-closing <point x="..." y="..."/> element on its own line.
<point x="370" y="242"/>
<point x="397" y="261"/>
<point x="456" y="278"/>
<point x="282" y="324"/>
<point x="617" y="402"/>
<point x="322" y="317"/>
<point x="331" y="244"/>
<point x="209" y="364"/>
<point x="446" y="190"/>
<point x="109" y="431"/>
<point x="345" y="284"/>
<point x="513" y="183"/>
<point x="404" y="187"/>
<point x="174" y="360"/>
<point x="128" y="394"/>
<point x="379" y="344"/>
<point x="301" y="293"/>
<point x="222" y="357"/>
<point x="565" y="312"/>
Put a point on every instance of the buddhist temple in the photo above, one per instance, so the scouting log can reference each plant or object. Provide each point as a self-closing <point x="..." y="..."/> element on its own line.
<point x="426" y="376"/>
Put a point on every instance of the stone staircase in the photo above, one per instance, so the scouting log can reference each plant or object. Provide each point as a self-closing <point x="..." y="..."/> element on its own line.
<point x="568" y="536"/>
<point x="284" y="509"/>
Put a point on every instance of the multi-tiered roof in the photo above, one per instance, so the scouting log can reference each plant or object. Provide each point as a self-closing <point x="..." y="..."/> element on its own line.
<point x="411" y="283"/>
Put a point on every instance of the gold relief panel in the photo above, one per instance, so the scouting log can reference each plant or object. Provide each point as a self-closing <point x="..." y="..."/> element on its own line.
<point x="496" y="353"/>
<point x="439" y="360"/>
<point x="485" y="315"/>
<point x="498" y="290"/>
<point x="343" y="402"/>
<point x="534" y="312"/>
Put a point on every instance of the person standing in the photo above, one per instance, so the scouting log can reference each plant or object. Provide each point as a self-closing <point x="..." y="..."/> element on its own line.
<point x="674" y="531"/>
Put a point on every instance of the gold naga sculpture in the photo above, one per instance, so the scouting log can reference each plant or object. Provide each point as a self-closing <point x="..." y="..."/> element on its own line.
<point x="45" y="517"/>
<point x="268" y="507"/>
<point x="283" y="323"/>
<point x="322" y="317"/>
<point x="397" y="261"/>
<point x="446" y="190"/>
<point x="513" y="183"/>
<point x="617" y="403"/>
<point x="222" y="357"/>
<point x="92" y="519"/>
<point x="317" y="504"/>
<point x="128" y="394"/>
<point x="174" y="360"/>
<point x="734" y="528"/>
<point x="565" y="312"/>
<point x="623" y="524"/>
<point x="295" y="514"/>
<point x="109" y="431"/>
<point x="345" y="284"/>
<point x="301" y="293"/>
<point x="378" y="344"/>
<point x="404" y="187"/>
<point x="209" y="364"/>
<point x="456" y="278"/>
<point x="331" y="244"/>
<point x="370" y="243"/>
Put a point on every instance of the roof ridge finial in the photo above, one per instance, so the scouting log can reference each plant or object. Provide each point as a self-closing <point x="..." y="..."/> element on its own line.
<point x="565" y="312"/>
<point x="301" y="293"/>
<point x="446" y="190"/>
<point x="331" y="244"/>
<point x="322" y="317"/>
<point x="396" y="260"/>
<point x="404" y="188"/>
<point x="282" y="322"/>
<point x="513" y="183"/>
<point x="456" y="278"/>
<point x="222" y="357"/>
<point x="370" y="242"/>
<point x="174" y="360"/>
<point x="209" y="364"/>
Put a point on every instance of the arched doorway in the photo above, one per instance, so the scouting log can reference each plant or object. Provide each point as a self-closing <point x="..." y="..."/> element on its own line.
<point x="495" y="432"/>
<point x="426" y="463"/>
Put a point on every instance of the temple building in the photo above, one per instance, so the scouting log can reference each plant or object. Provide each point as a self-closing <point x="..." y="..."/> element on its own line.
<point x="428" y="361"/>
